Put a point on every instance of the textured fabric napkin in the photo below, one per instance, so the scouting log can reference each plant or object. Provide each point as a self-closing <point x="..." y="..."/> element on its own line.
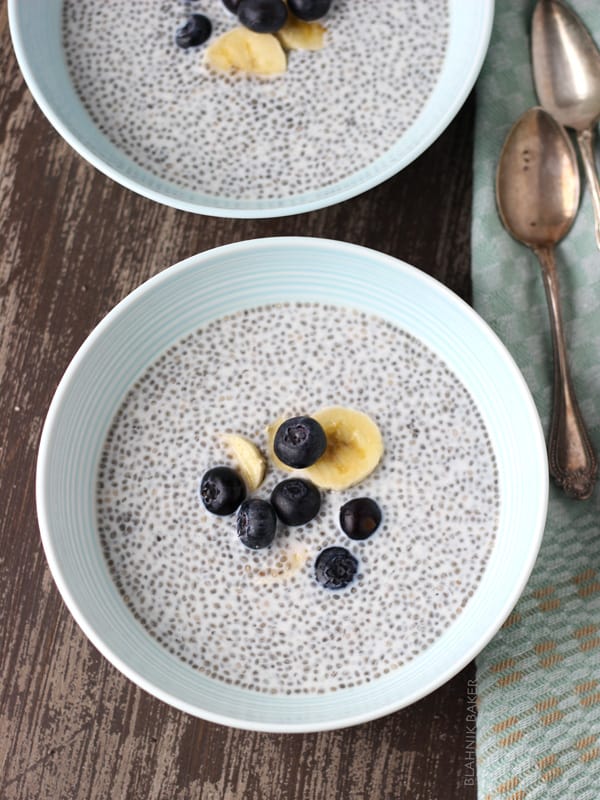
<point x="538" y="732"/>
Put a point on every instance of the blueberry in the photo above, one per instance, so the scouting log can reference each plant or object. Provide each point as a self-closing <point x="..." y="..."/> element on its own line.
<point x="195" y="31"/>
<point x="299" y="442"/>
<point x="262" y="16"/>
<point x="360" y="517"/>
<point x="256" y="523"/>
<point x="309" y="10"/>
<point x="335" y="568"/>
<point x="221" y="490"/>
<point x="296" y="501"/>
<point x="231" y="5"/>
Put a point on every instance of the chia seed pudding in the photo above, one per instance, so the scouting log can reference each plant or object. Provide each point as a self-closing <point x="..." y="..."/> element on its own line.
<point x="259" y="619"/>
<point x="333" y="113"/>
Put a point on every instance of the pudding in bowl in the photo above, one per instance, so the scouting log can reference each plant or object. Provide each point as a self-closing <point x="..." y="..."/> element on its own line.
<point x="259" y="619"/>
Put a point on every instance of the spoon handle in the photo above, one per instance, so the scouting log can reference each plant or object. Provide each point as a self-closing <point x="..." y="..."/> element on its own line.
<point x="573" y="463"/>
<point x="585" y="140"/>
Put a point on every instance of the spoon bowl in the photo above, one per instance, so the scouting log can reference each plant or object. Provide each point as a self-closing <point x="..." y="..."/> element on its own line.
<point x="566" y="71"/>
<point x="537" y="184"/>
<point x="566" y="65"/>
<point x="537" y="192"/>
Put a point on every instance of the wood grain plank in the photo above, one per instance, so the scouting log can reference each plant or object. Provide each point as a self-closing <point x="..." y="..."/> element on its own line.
<point x="72" y="244"/>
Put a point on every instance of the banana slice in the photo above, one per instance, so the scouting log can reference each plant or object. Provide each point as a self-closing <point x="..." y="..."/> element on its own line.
<point x="299" y="35"/>
<point x="290" y="562"/>
<point x="249" y="459"/>
<point x="354" y="448"/>
<point x="242" y="49"/>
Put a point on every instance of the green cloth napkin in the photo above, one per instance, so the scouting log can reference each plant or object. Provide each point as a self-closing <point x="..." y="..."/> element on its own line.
<point x="538" y="733"/>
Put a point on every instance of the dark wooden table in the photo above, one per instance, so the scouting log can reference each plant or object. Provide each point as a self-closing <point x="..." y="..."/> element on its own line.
<point x="72" y="244"/>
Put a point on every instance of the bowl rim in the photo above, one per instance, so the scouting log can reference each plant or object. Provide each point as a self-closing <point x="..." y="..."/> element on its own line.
<point x="70" y="375"/>
<point x="228" y="210"/>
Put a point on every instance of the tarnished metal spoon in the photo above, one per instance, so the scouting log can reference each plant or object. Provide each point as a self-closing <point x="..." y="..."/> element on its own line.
<point x="566" y="70"/>
<point x="537" y="191"/>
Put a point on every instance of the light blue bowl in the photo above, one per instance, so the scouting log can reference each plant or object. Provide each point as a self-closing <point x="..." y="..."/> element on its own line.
<point x="36" y="33"/>
<point x="220" y="282"/>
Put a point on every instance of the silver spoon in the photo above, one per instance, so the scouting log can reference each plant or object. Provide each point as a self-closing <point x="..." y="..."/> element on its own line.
<point x="566" y="70"/>
<point x="537" y="191"/>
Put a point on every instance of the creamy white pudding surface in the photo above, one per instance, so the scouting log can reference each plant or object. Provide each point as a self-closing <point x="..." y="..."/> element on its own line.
<point x="258" y="619"/>
<point x="333" y="113"/>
